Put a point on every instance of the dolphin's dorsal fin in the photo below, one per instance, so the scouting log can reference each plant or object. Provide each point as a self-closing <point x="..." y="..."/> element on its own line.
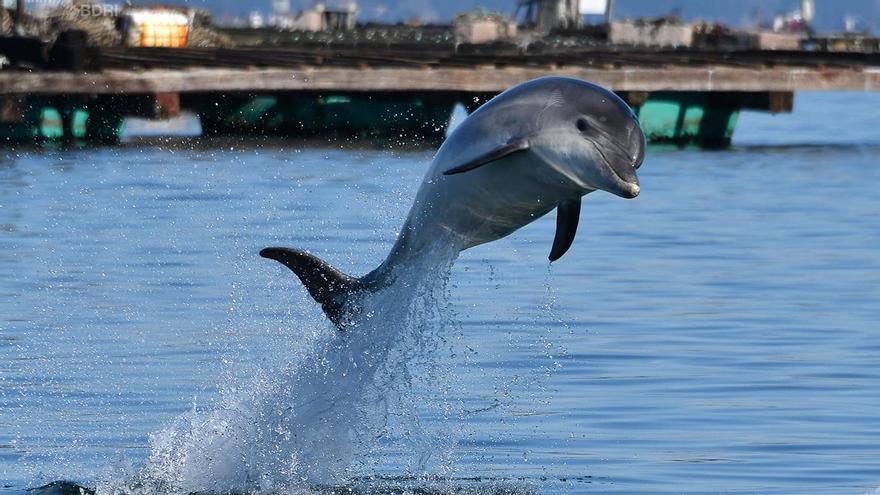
<point x="327" y="285"/>
<point x="568" y="213"/>
<point x="512" y="146"/>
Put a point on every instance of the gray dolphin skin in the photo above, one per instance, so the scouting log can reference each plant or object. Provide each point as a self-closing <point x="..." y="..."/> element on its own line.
<point x="541" y="145"/>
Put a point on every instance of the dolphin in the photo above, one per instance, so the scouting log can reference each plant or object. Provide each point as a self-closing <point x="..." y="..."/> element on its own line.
<point x="538" y="146"/>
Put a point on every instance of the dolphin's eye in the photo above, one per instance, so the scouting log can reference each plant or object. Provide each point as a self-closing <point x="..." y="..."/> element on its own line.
<point x="582" y="124"/>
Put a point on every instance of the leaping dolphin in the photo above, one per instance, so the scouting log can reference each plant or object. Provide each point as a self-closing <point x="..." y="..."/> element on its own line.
<point x="540" y="145"/>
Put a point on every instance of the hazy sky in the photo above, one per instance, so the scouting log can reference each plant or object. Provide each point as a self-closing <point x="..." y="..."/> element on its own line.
<point x="829" y="14"/>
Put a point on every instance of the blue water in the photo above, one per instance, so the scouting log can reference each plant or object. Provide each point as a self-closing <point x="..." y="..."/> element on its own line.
<point x="718" y="334"/>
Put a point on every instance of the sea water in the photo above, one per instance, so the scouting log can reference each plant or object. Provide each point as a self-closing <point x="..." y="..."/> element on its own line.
<point x="718" y="334"/>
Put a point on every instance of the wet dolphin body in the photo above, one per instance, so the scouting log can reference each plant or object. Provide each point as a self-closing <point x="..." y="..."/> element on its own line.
<point x="538" y="146"/>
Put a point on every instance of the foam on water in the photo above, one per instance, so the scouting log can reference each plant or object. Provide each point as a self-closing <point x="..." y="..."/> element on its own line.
<point x="313" y="419"/>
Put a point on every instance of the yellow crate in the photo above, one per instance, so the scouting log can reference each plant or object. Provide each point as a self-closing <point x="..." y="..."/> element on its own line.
<point x="157" y="28"/>
<point x="167" y="35"/>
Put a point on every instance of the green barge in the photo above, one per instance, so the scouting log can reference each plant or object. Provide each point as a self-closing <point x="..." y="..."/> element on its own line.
<point x="704" y="119"/>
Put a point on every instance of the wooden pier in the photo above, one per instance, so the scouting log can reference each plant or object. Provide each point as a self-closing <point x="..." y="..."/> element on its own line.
<point x="478" y="79"/>
<point x="682" y="96"/>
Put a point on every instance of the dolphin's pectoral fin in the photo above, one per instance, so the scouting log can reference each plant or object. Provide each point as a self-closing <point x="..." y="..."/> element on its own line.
<point x="327" y="285"/>
<point x="567" y="215"/>
<point x="512" y="146"/>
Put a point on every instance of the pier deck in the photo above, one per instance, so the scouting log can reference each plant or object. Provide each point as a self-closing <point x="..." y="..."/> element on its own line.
<point x="473" y="68"/>
<point x="478" y="79"/>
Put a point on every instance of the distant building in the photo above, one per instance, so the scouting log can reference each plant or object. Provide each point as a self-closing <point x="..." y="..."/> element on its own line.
<point x="663" y="32"/>
<point x="341" y="17"/>
<point x="797" y="21"/>
<point x="808" y="11"/>
<point x="255" y="19"/>
<point x="482" y="27"/>
<point x="546" y="15"/>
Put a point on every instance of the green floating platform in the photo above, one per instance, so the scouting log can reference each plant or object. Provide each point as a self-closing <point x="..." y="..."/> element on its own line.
<point x="388" y="116"/>
<point x="680" y="118"/>
<point x="42" y="120"/>
<point x="687" y="119"/>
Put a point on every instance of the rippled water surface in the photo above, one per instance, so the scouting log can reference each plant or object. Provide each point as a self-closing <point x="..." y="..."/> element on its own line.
<point x="719" y="334"/>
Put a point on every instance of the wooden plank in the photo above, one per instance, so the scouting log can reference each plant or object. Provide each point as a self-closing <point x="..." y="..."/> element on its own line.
<point x="476" y="80"/>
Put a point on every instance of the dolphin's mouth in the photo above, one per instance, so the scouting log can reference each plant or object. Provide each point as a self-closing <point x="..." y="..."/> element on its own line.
<point x="625" y="183"/>
<point x="617" y="184"/>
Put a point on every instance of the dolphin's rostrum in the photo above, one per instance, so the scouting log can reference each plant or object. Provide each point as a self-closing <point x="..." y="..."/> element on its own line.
<point x="540" y="145"/>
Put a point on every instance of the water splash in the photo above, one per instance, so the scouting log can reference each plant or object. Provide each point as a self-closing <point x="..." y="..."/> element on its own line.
<point x="316" y="417"/>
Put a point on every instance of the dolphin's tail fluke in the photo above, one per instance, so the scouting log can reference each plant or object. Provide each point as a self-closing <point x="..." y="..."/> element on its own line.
<point x="333" y="289"/>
